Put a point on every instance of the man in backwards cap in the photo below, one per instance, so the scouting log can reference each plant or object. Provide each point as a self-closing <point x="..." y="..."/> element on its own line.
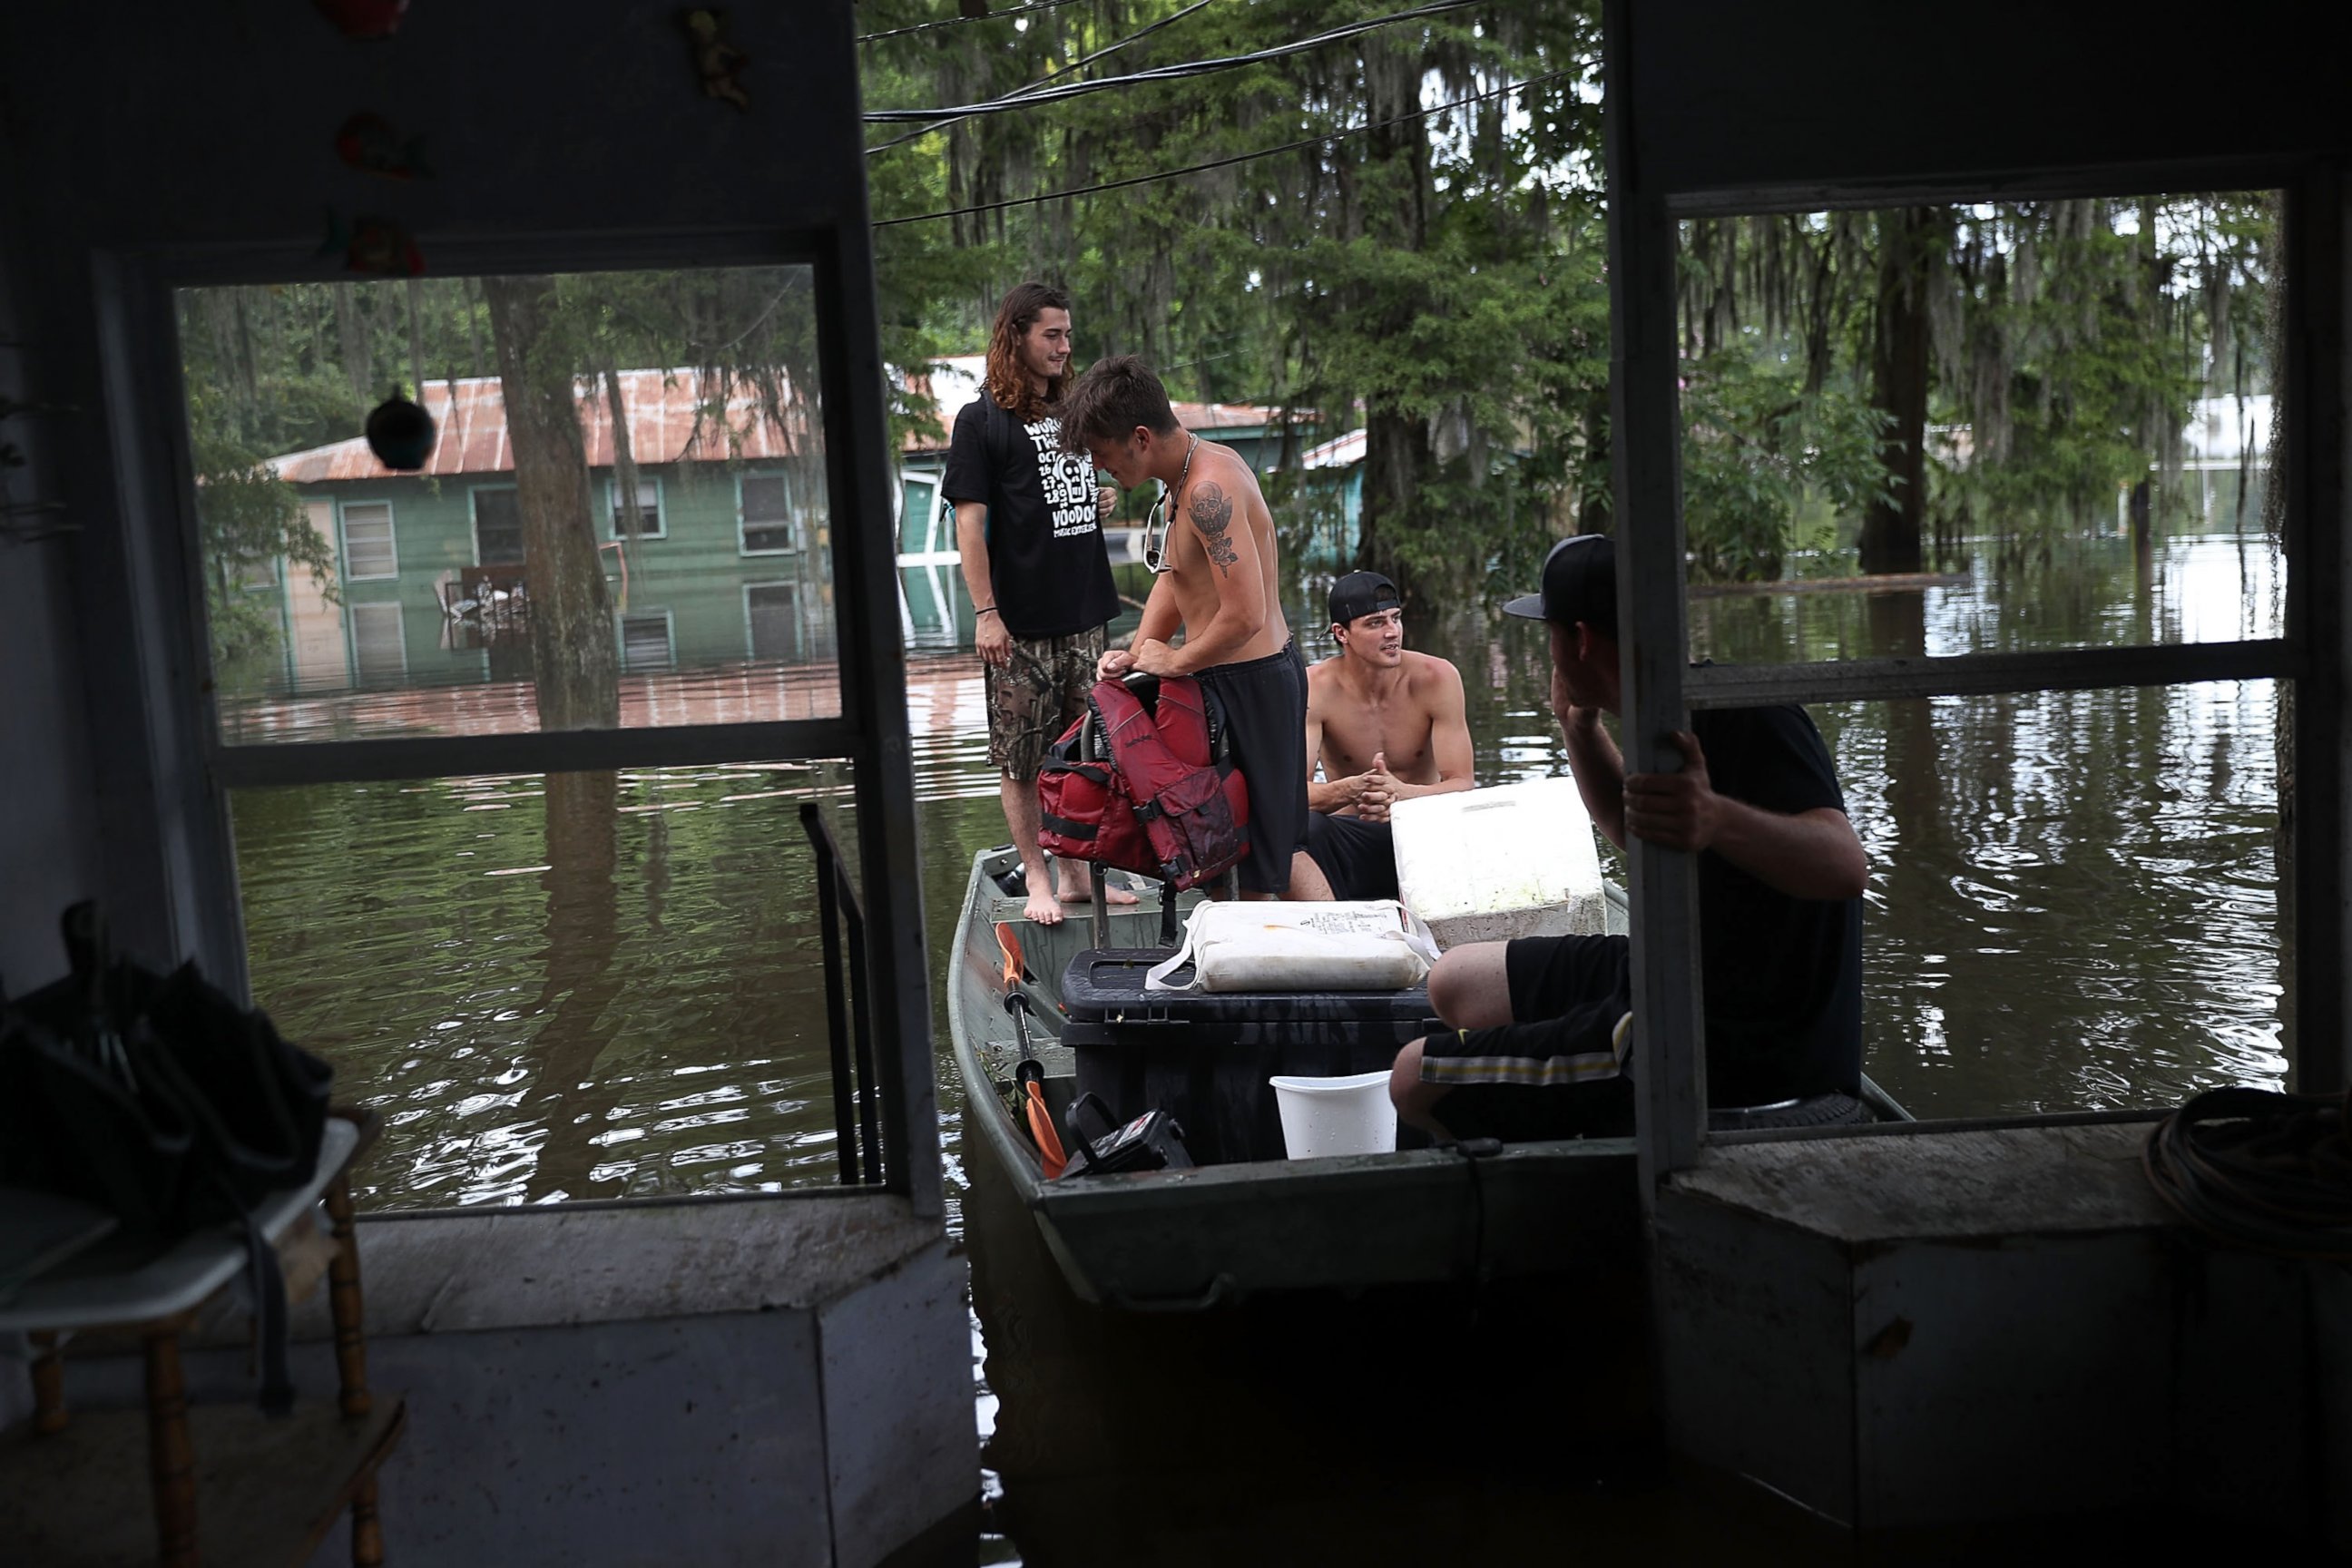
<point x="1387" y="725"/>
<point x="1539" y="1025"/>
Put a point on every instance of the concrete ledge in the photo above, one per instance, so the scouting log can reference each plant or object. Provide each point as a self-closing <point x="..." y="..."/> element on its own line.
<point x="1983" y="1185"/>
<point x="462" y="1271"/>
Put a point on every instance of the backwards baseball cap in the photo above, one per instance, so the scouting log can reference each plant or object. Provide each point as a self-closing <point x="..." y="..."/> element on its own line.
<point x="1361" y="593"/>
<point x="1579" y="583"/>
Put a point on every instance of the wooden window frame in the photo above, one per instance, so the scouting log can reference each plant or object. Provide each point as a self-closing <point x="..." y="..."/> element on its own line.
<point x="473" y="522"/>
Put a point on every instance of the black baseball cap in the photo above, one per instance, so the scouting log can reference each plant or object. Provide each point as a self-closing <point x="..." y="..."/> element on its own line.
<point x="1579" y="583"/>
<point x="1361" y="593"/>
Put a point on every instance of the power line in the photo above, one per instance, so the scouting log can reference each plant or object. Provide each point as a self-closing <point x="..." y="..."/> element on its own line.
<point x="1224" y="163"/>
<point x="1049" y="76"/>
<point x="960" y="21"/>
<point x="1027" y="98"/>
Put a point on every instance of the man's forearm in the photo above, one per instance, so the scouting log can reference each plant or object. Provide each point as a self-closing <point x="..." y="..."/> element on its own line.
<point x="1812" y="855"/>
<point x="1327" y="796"/>
<point x="1599" y="769"/>
<point x="971" y="546"/>
<point x="1403" y="790"/>
<point x="1225" y="634"/>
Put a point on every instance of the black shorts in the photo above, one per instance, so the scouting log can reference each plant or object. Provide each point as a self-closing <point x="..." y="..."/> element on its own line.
<point x="1265" y="716"/>
<point x="1558" y="1069"/>
<point x="1358" y="857"/>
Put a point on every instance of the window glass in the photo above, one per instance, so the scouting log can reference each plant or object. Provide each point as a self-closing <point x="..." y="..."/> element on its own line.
<point x="646" y="642"/>
<point x="705" y="381"/>
<point x="649" y="511"/>
<point x="769" y="526"/>
<point x="369" y="554"/>
<point x="772" y="614"/>
<point x="577" y="986"/>
<point x="498" y="528"/>
<point x="379" y="645"/>
<point x="2050" y="418"/>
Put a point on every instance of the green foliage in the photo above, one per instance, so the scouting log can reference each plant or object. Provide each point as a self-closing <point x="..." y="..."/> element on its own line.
<point x="1756" y="449"/>
<point x="1435" y="279"/>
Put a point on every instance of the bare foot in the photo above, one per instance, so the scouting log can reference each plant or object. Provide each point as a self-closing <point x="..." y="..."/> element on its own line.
<point x="1079" y="889"/>
<point x="1042" y="909"/>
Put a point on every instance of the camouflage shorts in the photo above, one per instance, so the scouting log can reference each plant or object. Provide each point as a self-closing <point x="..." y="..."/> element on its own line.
<point x="1036" y="695"/>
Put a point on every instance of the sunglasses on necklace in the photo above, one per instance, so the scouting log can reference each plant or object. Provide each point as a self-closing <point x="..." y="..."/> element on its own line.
<point x="1156" y="552"/>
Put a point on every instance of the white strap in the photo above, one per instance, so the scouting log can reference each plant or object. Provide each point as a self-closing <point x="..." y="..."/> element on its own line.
<point x="1157" y="980"/>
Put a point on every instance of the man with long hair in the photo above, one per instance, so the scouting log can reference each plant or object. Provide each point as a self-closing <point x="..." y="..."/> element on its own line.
<point x="1216" y="578"/>
<point x="1028" y="526"/>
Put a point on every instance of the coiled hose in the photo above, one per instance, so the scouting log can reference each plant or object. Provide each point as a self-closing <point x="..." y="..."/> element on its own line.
<point x="2259" y="1168"/>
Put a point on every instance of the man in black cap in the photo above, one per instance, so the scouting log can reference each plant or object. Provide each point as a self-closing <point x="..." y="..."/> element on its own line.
<point x="1387" y="725"/>
<point x="1540" y="1026"/>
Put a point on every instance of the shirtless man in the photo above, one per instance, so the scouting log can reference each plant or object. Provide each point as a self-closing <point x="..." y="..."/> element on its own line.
<point x="1387" y="725"/>
<point x="1216" y="578"/>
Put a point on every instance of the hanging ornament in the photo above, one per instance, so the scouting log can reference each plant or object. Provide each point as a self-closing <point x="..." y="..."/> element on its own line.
<point x="717" y="61"/>
<point x="363" y="18"/>
<point x="400" y="434"/>
<point x="369" y="143"/>
<point x="376" y="245"/>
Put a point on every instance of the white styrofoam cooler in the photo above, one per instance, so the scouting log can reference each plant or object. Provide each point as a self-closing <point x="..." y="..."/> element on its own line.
<point x="1486" y="865"/>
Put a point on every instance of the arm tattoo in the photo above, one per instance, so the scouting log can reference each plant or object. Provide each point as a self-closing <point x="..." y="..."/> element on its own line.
<point x="1213" y="514"/>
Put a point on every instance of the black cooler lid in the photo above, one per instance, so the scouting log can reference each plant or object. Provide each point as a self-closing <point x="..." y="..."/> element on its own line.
<point x="1103" y="985"/>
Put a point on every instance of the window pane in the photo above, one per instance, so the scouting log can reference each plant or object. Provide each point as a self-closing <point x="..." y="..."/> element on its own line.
<point x="2051" y="419"/>
<point x="2074" y="895"/>
<point x="768" y="524"/>
<point x="773" y="612"/>
<point x="498" y="528"/>
<point x="508" y="533"/>
<point x="645" y="642"/>
<point x="649" y="514"/>
<point x="379" y="645"/>
<point x="582" y="986"/>
<point x="368" y="552"/>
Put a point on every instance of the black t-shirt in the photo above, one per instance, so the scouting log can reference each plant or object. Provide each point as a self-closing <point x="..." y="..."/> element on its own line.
<point x="1046" y="556"/>
<point x="1783" y="975"/>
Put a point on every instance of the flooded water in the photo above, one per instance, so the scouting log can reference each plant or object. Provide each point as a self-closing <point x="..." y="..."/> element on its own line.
<point x="591" y="986"/>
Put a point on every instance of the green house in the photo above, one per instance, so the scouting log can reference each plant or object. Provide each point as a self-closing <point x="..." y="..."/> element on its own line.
<point x="731" y="561"/>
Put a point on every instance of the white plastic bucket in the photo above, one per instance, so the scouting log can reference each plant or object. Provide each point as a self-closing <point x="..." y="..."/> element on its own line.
<point x="1323" y="1116"/>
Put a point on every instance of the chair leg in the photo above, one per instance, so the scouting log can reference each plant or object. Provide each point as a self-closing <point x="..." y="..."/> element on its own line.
<point x="49" y="1385"/>
<point x="344" y="1303"/>
<point x="171" y="1461"/>
<point x="367" y="1531"/>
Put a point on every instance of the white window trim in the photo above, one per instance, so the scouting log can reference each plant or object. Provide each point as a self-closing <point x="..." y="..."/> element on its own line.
<point x="745" y="552"/>
<point x="474" y="519"/>
<point x="613" y="507"/>
<point x="343" y="543"/>
<point x="621" y="619"/>
<point x="800" y="622"/>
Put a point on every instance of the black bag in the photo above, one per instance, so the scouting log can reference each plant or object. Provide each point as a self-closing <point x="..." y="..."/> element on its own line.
<point x="162" y="1102"/>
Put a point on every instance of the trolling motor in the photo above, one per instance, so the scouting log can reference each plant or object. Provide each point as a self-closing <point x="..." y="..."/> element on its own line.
<point x="1152" y="1142"/>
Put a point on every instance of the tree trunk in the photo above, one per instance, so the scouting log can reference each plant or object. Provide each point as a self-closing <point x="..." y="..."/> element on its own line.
<point x="574" y="661"/>
<point x="630" y="513"/>
<point x="1891" y="527"/>
<point x="351" y="329"/>
<point x="1397" y="455"/>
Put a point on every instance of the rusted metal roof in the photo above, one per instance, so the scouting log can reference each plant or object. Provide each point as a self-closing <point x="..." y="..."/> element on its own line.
<point x="662" y="405"/>
<point x="957" y="381"/>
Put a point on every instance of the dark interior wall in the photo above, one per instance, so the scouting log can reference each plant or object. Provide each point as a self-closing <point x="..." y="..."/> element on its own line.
<point x="47" y="847"/>
<point x="1732" y="94"/>
<point x="560" y="135"/>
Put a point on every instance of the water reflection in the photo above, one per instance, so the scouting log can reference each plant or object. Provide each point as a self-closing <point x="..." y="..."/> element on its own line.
<point x="608" y="984"/>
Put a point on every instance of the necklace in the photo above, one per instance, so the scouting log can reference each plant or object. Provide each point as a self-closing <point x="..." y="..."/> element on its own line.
<point x="1155" y="554"/>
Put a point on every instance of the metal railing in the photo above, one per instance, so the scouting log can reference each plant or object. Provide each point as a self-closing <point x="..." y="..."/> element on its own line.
<point x="856" y="1098"/>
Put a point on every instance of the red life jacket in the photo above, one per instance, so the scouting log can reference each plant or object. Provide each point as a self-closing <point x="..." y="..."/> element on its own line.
<point x="1136" y="788"/>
